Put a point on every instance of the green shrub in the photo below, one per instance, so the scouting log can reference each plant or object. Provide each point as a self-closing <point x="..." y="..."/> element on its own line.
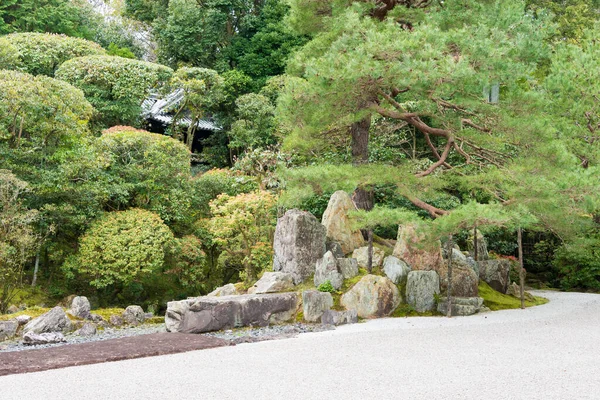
<point x="578" y="263"/>
<point x="121" y="248"/>
<point x="115" y="86"/>
<point x="42" y="53"/>
<point x="326" y="287"/>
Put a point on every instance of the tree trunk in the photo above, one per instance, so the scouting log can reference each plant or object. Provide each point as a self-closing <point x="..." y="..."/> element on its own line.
<point x="449" y="294"/>
<point x="363" y="199"/>
<point x="522" y="270"/>
<point x="475" y="243"/>
<point x="36" y="268"/>
<point x="360" y="140"/>
<point x="370" y="251"/>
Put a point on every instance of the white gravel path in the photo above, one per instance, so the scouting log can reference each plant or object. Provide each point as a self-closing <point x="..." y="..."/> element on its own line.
<point x="547" y="352"/>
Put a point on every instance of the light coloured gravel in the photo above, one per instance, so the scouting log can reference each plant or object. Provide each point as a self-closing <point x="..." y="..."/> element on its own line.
<point x="547" y="352"/>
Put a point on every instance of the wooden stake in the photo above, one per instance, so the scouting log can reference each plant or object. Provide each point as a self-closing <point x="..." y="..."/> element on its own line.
<point x="522" y="270"/>
<point x="449" y="294"/>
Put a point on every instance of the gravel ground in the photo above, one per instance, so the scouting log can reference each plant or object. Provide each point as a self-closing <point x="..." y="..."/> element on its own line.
<point x="548" y="352"/>
<point x="243" y="335"/>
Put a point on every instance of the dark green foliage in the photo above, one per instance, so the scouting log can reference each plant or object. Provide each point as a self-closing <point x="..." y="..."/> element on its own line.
<point x="326" y="287"/>
<point x="578" y="263"/>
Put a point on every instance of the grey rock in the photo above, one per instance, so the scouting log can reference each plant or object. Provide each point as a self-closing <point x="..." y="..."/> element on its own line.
<point x="227" y="290"/>
<point x="12" y="309"/>
<point x="362" y="256"/>
<point x="335" y="248"/>
<point x="495" y="273"/>
<point x="273" y="282"/>
<point x="23" y="319"/>
<point x="88" y="329"/>
<point x="332" y="317"/>
<point x="96" y="318"/>
<point x="412" y="248"/>
<point x="421" y="289"/>
<point x="348" y="267"/>
<point x="338" y="224"/>
<point x="395" y="269"/>
<point x="115" y="320"/>
<point x="299" y="242"/>
<point x="327" y="270"/>
<point x="515" y="291"/>
<point x="482" y="251"/>
<point x="33" y="339"/>
<point x="372" y="296"/>
<point x="134" y="315"/>
<point x="315" y="303"/>
<point x="206" y="314"/>
<point x="8" y="329"/>
<point x="54" y="320"/>
<point x="148" y="315"/>
<point x="461" y="306"/>
<point x="80" y="307"/>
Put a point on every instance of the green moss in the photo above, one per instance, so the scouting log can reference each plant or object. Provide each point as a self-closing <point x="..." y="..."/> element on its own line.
<point x="157" y="319"/>
<point x="31" y="297"/>
<point x="406" y="310"/>
<point x="107" y="312"/>
<point x="497" y="301"/>
<point x="299" y="316"/>
<point x="33" y="312"/>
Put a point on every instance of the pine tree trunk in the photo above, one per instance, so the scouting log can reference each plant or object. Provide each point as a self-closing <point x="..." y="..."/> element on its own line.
<point x="360" y="140"/>
<point x="370" y="252"/>
<point x="363" y="200"/>
<point x="449" y="294"/>
<point x="522" y="270"/>
<point x="475" y="255"/>
<point x="36" y="268"/>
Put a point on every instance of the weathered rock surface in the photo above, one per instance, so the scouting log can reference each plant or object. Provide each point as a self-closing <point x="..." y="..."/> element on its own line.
<point x="332" y="317"/>
<point x="515" y="291"/>
<point x="362" y="256"/>
<point x="421" y="289"/>
<point x="335" y="248"/>
<point x="206" y="314"/>
<point x="88" y="329"/>
<point x="465" y="282"/>
<point x="299" y="242"/>
<point x="273" y="282"/>
<point x="372" y="296"/>
<point x="348" y="267"/>
<point x="134" y="315"/>
<point x="395" y="269"/>
<point x="315" y="303"/>
<point x="12" y="309"/>
<point x="8" y="329"/>
<point x="115" y="320"/>
<point x="461" y="305"/>
<point x="495" y="273"/>
<point x="32" y="339"/>
<point x="336" y="222"/>
<point x="96" y="318"/>
<point x="227" y="290"/>
<point x="418" y="256"/>
<point x="54" y="320"/>
<point x="482" y="251"/>
<point x="327" y="270"/>
<point x="23" y="319"/>
<point x="80" y="307"/>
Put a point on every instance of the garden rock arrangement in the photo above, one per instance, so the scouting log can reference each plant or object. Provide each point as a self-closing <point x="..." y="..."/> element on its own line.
<point x="205" y="314"/>
<point x="461" y="305"/>
<point x="421" y="289"/>
<point x="373" y="296"/>
<point x="299" y="242"/>
<point x="80" y="307"/>
<point x="395" y="269"/>
<point x="315" y="303"/>
<point x="326" y="270"/>
<point x="226" y="290"/>
<point x="273" y="282"/>
<point x="362" y="256"/>
<point x="496" y="274"/>
<point x="337" y="224"/>
<point x="55" y="320"/>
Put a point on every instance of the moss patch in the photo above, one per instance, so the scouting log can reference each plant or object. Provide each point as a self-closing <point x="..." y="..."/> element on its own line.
<point x="497" y="301"/>
<point x="33" y="312"/>
<point x="406" y="310"/>
<point x="107" y="312"/>
<point x="31" y="297"/>
<point x="157" y="319"/>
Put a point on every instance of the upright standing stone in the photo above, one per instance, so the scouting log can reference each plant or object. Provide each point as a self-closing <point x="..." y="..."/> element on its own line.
<point x="336" y="221"/>
<point x="299" y="242"/>
<point x="315" y="303"/>
<point x="80" y="307"/>
<point x="362" y="256"/>
<point x="372" y="296"/>
<point x="495" y="273"/>
<point x="8" y="329"/>
<point x="348" y="267"/>
<point x="419" y="256"/>
<point x="421" y="289"/>
<point x="395" y="269"/>
<point x="327" y="270"/>
<point x="134" y="315"/>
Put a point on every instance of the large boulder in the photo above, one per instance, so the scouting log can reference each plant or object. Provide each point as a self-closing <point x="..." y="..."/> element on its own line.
<point x="273" y="282"/>
<point x="88" y="329"/>
<point x="327" y="270"/>
<point x="134" y="315"/>
<point x="12" y="309"/>
<point x="421" y="290"/>
<point x="482" y="251"/>
<point x="338" y="226"/>
<point x="80" y="307"/>
<point x="8" y="329"/>
<point x="315" y="303"/>
<point x="332" y="317"/>
<point x="465" y="280"/>
<point x="362" y="256"/>
<point x="335" y="248"/>
<point x="23" y="319"/>
<point x="206" y="314"/>
<point x="419" y="256"/>
<point x="348" y="267"/>
<point x="33" y="339"/>
<point x="495" y="273"/>
<point x="54" y="320"/>
<point x="461" y="305"/>
<point x="227" y="290"/>
<point x="372" y="296"/>
<point x="299" y="242"/>
<point x="395" y="269"/>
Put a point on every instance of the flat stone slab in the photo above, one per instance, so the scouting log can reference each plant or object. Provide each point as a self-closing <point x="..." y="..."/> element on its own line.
<point x="208" y="314"/>
<point x="156" y="344"/>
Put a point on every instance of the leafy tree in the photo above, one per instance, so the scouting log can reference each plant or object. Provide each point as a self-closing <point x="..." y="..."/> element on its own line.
<point x="573" y="17"/>
<point x="255" y="126"/>
<point x="18" y="240"/>
<point x="115" y="86"/>
<point x="243" y="227"/>
<point x="41" y="53"/>
<point x="122" y="247"/>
